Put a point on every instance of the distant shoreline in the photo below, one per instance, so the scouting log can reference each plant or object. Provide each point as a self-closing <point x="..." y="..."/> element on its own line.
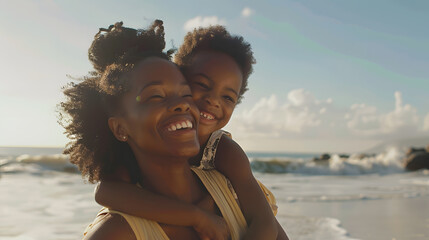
<point x="21" y="150"/>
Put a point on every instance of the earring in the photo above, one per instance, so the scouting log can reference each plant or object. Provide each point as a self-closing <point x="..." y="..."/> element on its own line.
<point x="124" y="138"/>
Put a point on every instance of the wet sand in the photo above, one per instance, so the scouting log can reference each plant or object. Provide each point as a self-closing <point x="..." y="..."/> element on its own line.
<point x="394" y="218"/>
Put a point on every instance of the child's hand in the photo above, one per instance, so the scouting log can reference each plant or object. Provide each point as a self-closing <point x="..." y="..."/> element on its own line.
<point x="211" y="227"/>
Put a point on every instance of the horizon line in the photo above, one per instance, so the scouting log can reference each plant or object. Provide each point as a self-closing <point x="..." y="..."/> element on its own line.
<point x="30" y="146"/>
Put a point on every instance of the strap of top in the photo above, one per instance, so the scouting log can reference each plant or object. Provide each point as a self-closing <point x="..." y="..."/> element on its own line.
<point x="208" y="159"/>
<point x="143" y="229"/>
<point x="217" y="186"/>
<point x="208" y="163"/>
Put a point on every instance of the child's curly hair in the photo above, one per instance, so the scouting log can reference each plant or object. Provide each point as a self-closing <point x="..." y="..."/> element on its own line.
<point x="217" y="38"/>
<point x="90" y="102"/>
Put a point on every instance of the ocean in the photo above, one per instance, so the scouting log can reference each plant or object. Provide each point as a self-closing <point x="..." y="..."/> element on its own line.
<point x="368" y="197"/>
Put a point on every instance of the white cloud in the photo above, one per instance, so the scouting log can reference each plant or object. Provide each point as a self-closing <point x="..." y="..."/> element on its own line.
<point x="426" y="123"/>
<point x="268" y="117"/>
<point x="302" y="116"/>
<point x="247" y="12"/>
<point x="365" y="121"/>
<point x="199" y="21"/>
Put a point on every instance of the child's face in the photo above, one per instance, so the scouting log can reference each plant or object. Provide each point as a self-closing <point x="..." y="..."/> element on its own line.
<point x="215" y="81"/>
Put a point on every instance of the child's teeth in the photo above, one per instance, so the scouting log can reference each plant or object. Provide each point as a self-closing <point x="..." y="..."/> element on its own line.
<point x="173" y="128"/>
<point x="184" y="125"/>
<point x="206" y="116"/>
<point x="188" y="124"/>
<point x="178" y="126"/>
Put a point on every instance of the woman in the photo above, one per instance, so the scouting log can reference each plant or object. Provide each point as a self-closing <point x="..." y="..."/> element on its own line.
<point x="123" y="115"/>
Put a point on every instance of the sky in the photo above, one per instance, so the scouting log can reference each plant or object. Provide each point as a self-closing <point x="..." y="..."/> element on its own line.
<point x="331" y="76"/>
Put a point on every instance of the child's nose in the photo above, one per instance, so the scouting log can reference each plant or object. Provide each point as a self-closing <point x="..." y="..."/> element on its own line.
<point x="212" y="100"/>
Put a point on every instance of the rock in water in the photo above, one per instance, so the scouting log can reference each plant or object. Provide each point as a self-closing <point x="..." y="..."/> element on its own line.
<point x="361" y="156"/>
<point x="415" y="150"/>
<point x="323" y="157"/>
<point x="417" y="161"/>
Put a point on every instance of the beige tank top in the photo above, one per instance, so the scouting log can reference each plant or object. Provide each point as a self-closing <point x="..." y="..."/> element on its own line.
<point x="216" y="184"/>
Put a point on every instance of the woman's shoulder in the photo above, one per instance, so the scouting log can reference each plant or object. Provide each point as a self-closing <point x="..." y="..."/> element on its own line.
<point x="113" y="225"/>
<point x="109" y="226"/>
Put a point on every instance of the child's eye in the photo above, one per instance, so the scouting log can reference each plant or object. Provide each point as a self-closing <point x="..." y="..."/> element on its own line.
<point x="203" y="85"/>
<point x="228" y="98"/>
<point x="187" y="95"/>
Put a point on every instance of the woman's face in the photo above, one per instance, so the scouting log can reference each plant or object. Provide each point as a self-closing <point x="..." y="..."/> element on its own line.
<point x="215" y="81"/>
<point x="160" y="117"/>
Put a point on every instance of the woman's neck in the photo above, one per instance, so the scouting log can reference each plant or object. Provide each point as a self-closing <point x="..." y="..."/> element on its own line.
<point x="203" y="139"/>
<point x="195" y="160"/>
<point x="170" y="177"/>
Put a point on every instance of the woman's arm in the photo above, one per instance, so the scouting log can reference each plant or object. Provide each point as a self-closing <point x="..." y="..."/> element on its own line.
<point x="233" y="163"/>
<point x="130" y="199"/>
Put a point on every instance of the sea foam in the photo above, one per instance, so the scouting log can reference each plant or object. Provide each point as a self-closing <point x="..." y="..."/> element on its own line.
<point x="36" y="164"/>
<point x="389" y="162"/>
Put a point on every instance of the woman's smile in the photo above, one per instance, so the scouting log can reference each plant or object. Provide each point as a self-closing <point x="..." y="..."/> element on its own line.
<point x="182" y="126"/>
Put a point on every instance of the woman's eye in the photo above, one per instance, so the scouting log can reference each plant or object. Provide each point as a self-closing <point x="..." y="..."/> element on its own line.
<point x="187" y="95"/>
<point x="156" y="97"/>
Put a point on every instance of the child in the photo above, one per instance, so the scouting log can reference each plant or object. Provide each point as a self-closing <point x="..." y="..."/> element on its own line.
<point x="217" y="66"/>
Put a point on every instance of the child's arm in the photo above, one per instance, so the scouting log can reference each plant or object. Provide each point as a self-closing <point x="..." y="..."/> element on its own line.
<point x="130" y="199"/>
<point x="231" y="160"/>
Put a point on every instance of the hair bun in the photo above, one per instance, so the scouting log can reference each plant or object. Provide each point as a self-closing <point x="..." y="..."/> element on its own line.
<point x="112" y="44"/>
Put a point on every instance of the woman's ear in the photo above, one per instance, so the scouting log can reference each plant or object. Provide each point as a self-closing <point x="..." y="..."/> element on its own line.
<point x="117" y="128"/>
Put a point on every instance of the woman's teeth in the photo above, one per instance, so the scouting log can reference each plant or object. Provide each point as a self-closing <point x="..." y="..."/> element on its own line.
<point x="180" y="125"/>
<point x="207" y="116"/>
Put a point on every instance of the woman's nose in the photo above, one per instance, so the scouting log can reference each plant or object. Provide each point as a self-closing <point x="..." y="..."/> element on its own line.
<point x="179" y="104"/>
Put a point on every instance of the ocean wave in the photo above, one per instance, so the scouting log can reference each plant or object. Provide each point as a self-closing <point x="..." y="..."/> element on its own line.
<point x="306" y="228"/>
<point x="385" y="163"/>
<point x="37" y="163"/>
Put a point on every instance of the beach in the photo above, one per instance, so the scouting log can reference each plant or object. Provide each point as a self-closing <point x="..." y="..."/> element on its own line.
<point x="387" y="216"/>
<point x="44" y="197"/>
<point x="406" y="218"/>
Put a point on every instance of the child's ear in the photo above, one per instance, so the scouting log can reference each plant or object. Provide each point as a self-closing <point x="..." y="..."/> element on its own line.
<point x="118" y="129"/>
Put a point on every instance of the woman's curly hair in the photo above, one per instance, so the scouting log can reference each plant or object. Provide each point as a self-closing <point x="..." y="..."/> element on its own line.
<point x="90" y="102"/>
<point x="217" y="38"/>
